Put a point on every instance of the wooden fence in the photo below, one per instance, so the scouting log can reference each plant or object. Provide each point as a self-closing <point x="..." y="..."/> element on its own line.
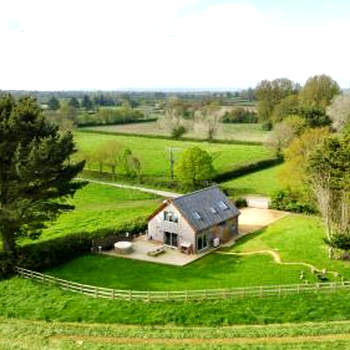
<point x="203" y="294"/>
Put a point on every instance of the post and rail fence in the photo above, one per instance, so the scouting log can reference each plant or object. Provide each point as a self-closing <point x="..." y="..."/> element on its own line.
<point x="185" y="295"/>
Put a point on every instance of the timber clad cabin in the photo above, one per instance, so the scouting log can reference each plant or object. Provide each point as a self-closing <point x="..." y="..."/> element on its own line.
<point x="195" y="222"/>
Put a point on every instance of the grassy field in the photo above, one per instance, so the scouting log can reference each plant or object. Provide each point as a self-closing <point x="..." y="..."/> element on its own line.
<point x="16" y="334"/>
<point x="23" y="299"/>
<point x="296" y="238"/>
<point x="99" y="206"/>
<point x="264" y="182"/>
<point x="154" y="153"/>
<point x="226" y="131"/>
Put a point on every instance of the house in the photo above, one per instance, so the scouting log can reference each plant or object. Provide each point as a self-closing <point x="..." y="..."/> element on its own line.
<point x="194" y="222"/>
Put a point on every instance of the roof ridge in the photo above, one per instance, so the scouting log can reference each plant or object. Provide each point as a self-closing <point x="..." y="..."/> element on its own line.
<point x="198" y="191"/>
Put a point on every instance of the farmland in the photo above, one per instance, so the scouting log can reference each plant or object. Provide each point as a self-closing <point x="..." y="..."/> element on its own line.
<point x="98" y="207"/>
<point x="238" y="132"/>
<point x="42" y="335"/>
<point x="264" y="182"/>
<point x="154" y="153"/>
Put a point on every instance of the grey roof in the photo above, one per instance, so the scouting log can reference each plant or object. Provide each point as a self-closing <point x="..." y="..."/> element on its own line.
<point x="208" y="205"/>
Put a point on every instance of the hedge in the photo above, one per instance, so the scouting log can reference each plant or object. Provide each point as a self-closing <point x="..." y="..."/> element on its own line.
<point x="41" y="255"/>
<point x="247" y="169"/>
<point x="164" y="137"/>
<point x="120" y="122"/>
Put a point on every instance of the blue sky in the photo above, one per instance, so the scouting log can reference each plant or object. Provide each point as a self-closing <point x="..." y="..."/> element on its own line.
<point x="116" y="44"/>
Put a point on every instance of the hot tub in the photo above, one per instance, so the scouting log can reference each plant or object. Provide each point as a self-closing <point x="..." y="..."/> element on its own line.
<point x="123" y="247"/>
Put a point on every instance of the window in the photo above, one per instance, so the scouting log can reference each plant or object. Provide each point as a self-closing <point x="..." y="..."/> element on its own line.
<point x="196" y="215"/>
<point x="223" y="205"/>
<point x="213" y="210"/>
<point x="202" y="242"/>
<point x="170" y="216"/>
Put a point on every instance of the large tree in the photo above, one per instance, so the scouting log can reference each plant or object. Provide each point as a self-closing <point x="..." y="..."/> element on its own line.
<point x="53" y="103"/>
<point x="271" y="93"/>
<point x="35" y="170"/>
<point x="339" y="112"/>
<point x="330" y="179"/>
<point x="195" y="168"/>
<point x="319" y="91"/>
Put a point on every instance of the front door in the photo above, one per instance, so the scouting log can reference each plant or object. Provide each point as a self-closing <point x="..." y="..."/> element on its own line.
<point x="170" y="239"/>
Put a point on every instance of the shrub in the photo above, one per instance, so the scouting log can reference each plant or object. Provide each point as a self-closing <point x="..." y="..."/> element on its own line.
<point x="46" y="254"/>
<point x="267" y="126"/>
<point x="241" y="202"/>
<point x="177" y="132"/>
<point x="240" y="115"/>
<point x="289" y="201"/>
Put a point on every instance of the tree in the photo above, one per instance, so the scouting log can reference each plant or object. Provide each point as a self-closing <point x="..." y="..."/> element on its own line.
<point x="286" y="107"/>
<point x="319" y="91"/>
<point x="68" y="113"/>
<point x="130" y="164"/>
<point x="35" y="170"/>
<point x="339" y="112"/>
<point x="177" y="118"/>
<point x="86" y="102"/>
<point x="53" y="103"/>
<point x="294" y="173"/>
<point x="194" y="168"/>
<point x="74" y="102"/>
<point x="270" y="94"/>
<point x="112" y="152"/>
<point x="280" y="137"/>
<point x="329" y="170"/>
<point x="208" y="119"/>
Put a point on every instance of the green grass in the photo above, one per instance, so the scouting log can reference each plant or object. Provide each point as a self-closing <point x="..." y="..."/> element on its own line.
<point x="23" y="334"/>
<point x="24" y="299"/>
<point x="297" y="238"/>
<point x="154" y="153"/>
<point x="101" y="206"/>
<point x="226" y="131"/>
<point x="212" y="271"/>
<point x="264" y="182"/>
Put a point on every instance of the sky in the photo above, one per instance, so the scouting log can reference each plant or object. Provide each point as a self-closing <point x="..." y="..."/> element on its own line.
<point x="166" y="44"/>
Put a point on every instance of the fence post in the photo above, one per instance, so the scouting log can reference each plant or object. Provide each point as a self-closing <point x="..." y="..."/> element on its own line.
<point x="279" y="291"/>
<point x="130" y="294"/>
<point x="261" y="291"/>
<point x="96" y="292"/>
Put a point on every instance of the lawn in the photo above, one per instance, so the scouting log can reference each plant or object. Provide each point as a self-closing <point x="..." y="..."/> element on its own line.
<point x="101" y="206"/>
<point x="297" y="238"/>
<point x="212" y="271"/>
<point x="226" y="131"/>
<point x="154" y="153"/>
<point x="20" y="298"/>
<point x="264" y="182"/>
<point x="23" y="334"/>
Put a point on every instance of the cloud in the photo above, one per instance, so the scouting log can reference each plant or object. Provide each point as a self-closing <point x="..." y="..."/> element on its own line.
<point x="110" y="44"/>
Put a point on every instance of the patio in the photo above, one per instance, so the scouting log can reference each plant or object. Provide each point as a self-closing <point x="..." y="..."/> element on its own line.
<point x="141" y="246"/>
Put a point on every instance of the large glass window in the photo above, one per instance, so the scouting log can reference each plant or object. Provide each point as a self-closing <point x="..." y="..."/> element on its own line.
<point x="170" y="239"/>
<point x="202" y="241"/>
<point x="170" y="216"/>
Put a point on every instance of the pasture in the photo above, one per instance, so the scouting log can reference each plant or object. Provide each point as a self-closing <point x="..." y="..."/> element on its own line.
<point x="264" y="182"/>
<point x="98" y="206"/>
<point x="27" y="335"/>
<point x="154" y="153"/>
<point x="226" y="131"/>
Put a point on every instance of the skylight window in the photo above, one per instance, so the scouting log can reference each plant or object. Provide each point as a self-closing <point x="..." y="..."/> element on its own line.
<point x="196" y="215"/>
<point x="213" y="210"/>
<point x="223" y="205"/>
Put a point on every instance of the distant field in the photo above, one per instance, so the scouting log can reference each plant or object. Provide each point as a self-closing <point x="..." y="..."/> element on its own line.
<point x="239" y="132"/>
<point x="99" y="206"/>
<point x="154" y="153"/>
<point x="26" y="335"/>
<point x="264" y="182"/>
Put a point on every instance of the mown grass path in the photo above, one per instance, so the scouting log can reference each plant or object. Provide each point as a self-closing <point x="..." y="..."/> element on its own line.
<point x="277" y="258"/>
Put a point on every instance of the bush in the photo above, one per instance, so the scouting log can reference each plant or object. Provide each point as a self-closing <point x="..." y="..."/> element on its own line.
<point x="289" y="201"/>
<point x="240" y="115"/>
<point x="46" y="254"/>
<point x="241" y="202"/>
<point x="267" y="126"/>
<point x="177" y="132"/>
